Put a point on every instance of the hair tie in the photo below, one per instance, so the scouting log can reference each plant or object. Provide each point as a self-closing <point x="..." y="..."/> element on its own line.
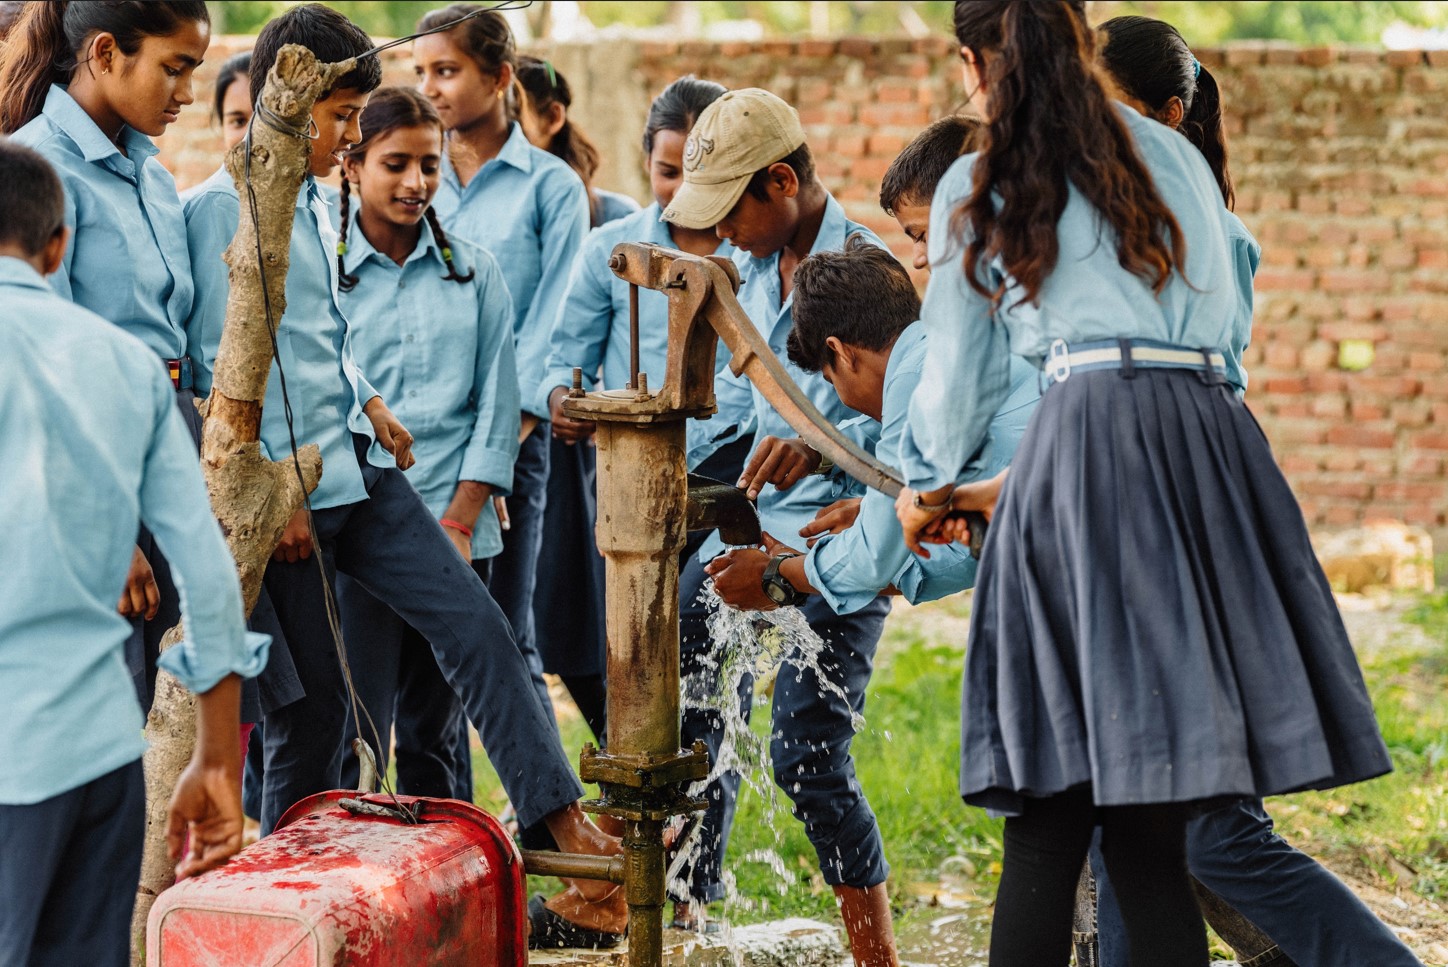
<point x="341" y="248"/>
<point x="1196" y="68"/>
<point x="552" y="74"/>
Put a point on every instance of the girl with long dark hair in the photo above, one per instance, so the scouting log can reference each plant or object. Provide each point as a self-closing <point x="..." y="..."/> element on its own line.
<point x="430" y="322"/>
<point x="1151" y="630"/>
<point x="1308" y="913"/>
<point x="530" y="211"/>
<point x="545" y="120"/>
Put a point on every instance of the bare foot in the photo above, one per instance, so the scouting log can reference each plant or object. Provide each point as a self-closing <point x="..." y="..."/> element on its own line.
<point x="573" y="833"/>
<point x="609" y="914"/>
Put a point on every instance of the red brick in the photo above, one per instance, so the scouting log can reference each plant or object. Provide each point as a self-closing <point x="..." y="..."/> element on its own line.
<point x="1403" y="58"/>
<point x="1338" y="331"/>
<point x="1366" y="410"/>
<point x="1340" y="516"/>
<point x="1317" y="56"/>
<point x="860" y="48"/>
<point x="1422" y="465"/>
<point x="817" y="48"/>
<point x="1418" y="492"/>
<point x="1426" y="362"/>
<point x="1345" y="489"/>
<point x="1360" y="436"/>
<point x="1429" y="440"/>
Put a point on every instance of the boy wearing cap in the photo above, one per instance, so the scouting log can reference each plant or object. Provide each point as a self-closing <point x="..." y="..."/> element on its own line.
<point x="749" y="174"/>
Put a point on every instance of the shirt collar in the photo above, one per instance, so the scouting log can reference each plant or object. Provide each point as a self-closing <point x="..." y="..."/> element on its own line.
<point x="909" y="336"/>
<point x="359" y="249"/>
<point x="517" y="150"/>
<point x="14" y="271"/>
<point x="70" y="117"/>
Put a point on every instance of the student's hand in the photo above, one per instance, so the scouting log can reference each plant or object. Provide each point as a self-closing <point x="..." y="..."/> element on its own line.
<point x="838" y="516"/>
<point x="738" y="579"/>
<point x="780" y="462"/>
<point x="774" y="548"/>
<point x="569" y="430"/>
<point x="390" y="432"/>
<point x="207" y="806"/>
<point x="500" y="506"/>
<point x="140" y="598"/>
<point x="978" y="495"/>
<point x="296" y="542"/>
<point x="915" y="520"/>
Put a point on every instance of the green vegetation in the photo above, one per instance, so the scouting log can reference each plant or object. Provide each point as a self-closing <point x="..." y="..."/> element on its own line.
<point x="1392" y="831"/>
<point x="1303" y="21"/>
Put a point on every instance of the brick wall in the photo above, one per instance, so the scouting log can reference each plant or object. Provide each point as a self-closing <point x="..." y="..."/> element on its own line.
<point x="1341" y="163"/>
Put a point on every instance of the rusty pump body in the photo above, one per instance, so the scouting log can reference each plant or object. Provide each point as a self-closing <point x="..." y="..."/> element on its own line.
<point x="647" y="502"/>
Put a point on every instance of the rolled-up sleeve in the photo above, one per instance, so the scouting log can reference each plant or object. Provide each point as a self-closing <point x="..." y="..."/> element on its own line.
<point x="175" y="507"/>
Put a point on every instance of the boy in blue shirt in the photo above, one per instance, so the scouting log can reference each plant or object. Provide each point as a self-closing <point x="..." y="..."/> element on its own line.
<point x="749" y="173"/>
<point x="370" y="523"/>
<point x="91" y="446"/>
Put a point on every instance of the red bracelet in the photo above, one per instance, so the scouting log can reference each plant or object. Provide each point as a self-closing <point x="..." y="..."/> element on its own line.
<point x="462" y="529"/>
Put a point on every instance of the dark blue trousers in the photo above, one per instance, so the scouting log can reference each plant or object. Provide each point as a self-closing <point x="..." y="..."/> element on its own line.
<point x="1310" y="914"/>
<point x="810" y="750"/>
<point x="399" y="684"/>
<point x="391" y="545"/>
<point x="515" y="571"/>
<point x="68" y="872"/>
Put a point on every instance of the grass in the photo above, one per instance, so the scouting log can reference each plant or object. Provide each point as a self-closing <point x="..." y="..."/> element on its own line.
<point x="1392" y="831"/>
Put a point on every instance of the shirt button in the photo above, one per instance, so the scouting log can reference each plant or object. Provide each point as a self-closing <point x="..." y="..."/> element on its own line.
<point x="402" y="283"/>
<point x="409" y="338"/>
<point x="412" y="392"/>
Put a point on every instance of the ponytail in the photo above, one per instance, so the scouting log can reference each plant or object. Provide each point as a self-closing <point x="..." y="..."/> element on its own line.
<point x="1203" y="127"/>
<point x="1051" y="127"/>
<point x="543" y="86"/>
<point x="1151" y="62"/>
<point x="47" y="43"/>
<point x="35" y="56"/>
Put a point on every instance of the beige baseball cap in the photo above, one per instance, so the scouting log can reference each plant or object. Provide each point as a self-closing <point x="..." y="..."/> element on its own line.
<point x="740" y="133"/>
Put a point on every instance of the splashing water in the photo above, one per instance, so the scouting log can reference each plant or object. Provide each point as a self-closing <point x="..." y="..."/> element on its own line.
<point x="749" y="647"/>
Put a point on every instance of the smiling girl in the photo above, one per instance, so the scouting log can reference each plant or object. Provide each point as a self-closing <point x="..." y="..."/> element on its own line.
<point x="431" y="324"/>
<point x="530" y="211"/>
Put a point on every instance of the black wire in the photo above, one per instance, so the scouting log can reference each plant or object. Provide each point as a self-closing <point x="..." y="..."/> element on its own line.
<point x="505" y="5"/>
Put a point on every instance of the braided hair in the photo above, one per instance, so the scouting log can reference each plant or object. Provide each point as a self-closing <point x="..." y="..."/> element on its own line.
<point x="389" y="109"/>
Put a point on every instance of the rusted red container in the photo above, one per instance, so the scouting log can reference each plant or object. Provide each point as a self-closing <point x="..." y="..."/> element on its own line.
<point x="334" y="886"/>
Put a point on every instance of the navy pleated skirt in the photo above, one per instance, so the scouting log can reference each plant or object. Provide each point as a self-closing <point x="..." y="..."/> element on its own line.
<point x="568" y="607"/>
<point x="1149" y="615"/>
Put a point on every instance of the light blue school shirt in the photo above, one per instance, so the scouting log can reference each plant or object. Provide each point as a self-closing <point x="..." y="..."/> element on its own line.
<point x="92" y="446"/>
<point x="851" y="568"/>
<point x="592" y="328"/>
<point x="1246" y="255"/>
<point x="441" y="353"/>
<point x="127" y="258"/>
<point x="530" y="210"/>
<point x="781" y="512"/>
<point x="326" y="388"/>
<point x="1088" y="296"/>
<point x="610" y="206"/>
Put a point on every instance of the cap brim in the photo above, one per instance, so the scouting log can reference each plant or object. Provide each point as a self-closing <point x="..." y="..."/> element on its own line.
<point x="704" y="206"/>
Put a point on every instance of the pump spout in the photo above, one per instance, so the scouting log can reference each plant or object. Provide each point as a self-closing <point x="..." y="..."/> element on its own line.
<point x="713" y="503"/>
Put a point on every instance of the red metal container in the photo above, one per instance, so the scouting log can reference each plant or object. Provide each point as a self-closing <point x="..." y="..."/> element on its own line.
<point x="334" y="887"/>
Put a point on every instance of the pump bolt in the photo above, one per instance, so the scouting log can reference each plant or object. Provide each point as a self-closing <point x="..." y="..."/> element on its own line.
<point x="617" y="262"/>
<point x="641" y="387"/>
<point x="577" y="389"/>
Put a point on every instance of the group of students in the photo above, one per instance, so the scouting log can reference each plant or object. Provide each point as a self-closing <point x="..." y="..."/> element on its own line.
<point x="1153" y="647"/>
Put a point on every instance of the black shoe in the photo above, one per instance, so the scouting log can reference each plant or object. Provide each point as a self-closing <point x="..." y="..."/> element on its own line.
<point x="552" y="932"/>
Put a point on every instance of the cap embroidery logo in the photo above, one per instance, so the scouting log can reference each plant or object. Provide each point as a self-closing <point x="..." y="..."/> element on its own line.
<point x="694" y="151"/>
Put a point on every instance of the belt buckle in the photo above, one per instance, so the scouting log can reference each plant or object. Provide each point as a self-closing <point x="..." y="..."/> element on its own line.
<point x="1058" y="361"/>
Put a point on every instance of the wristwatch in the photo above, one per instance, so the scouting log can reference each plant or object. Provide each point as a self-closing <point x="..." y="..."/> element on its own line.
<point x="776" y="586"/>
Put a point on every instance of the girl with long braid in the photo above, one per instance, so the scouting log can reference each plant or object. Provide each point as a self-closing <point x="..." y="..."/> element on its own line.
<point x="1151" y="630"/>
<point x="431" y="324"/>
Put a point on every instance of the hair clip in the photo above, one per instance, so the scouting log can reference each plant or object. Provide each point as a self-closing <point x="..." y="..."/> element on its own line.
<point x="552" y="74"/>
<point x="1196" y="68"/>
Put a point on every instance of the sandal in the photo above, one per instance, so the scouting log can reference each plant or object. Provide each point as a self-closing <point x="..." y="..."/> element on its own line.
<point x="551" y="931"/>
